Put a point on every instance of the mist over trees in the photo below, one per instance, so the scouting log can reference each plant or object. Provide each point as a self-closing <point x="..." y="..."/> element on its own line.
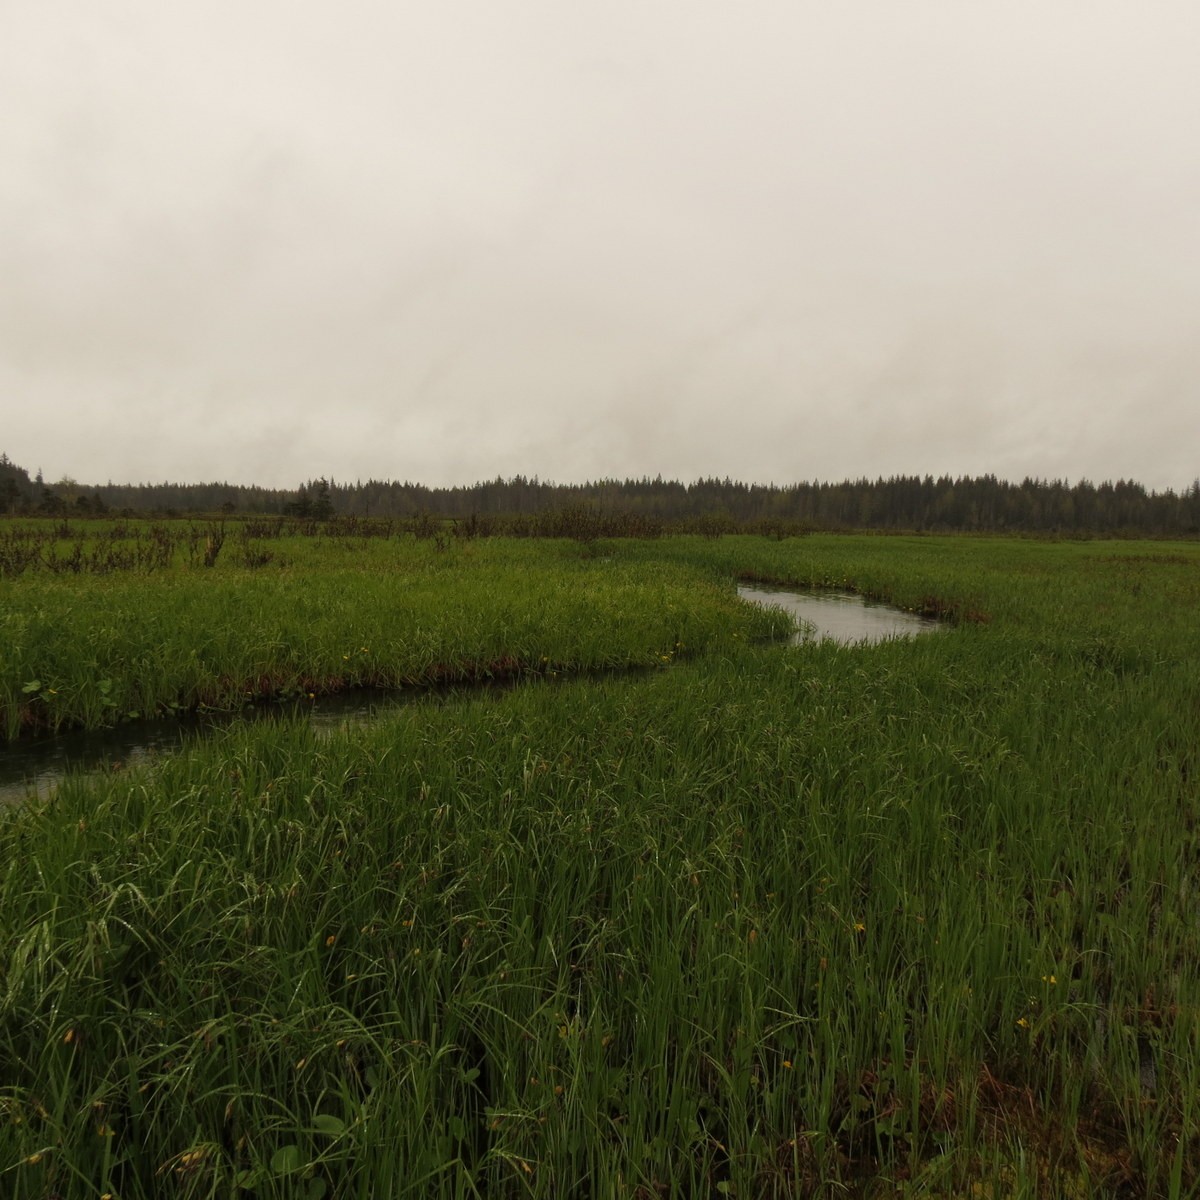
<point x="982" y="504"/>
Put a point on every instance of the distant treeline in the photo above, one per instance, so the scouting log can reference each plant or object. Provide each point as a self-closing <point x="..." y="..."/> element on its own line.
<point x="944" y="504"/>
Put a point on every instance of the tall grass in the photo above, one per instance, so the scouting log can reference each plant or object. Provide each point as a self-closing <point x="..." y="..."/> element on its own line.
<point x="916" y="917"/>
<point x="91" y="651"/>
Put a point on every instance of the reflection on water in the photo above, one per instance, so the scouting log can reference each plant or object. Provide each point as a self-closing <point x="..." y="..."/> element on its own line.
<point x="840" y="616"/>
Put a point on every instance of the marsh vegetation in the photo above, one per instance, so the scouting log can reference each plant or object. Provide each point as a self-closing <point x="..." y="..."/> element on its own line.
<point x="746" y="919"/>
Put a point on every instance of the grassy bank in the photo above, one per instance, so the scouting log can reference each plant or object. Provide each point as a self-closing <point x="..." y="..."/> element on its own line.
<point x="915" y="919"/>
<point x="92" y="649"/>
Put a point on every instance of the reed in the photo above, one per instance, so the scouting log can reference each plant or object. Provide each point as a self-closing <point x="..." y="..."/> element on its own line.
<point x="89" y="650"/>
<point x="916" y="918"/>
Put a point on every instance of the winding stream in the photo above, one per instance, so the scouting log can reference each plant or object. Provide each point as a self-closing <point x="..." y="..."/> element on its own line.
<point x="35" y="768"/>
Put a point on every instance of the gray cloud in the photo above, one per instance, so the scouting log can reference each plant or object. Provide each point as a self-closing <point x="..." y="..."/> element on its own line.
<point x="779" y="241"/>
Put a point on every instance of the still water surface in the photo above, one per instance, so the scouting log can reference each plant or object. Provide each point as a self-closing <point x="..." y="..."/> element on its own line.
<point x="840" y="616"/>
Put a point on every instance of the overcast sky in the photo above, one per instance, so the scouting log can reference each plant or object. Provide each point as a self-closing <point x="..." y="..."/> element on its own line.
<point x="261" y="241"/>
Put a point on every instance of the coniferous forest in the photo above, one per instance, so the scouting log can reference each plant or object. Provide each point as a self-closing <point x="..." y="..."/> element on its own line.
<point x="902" y="503"/>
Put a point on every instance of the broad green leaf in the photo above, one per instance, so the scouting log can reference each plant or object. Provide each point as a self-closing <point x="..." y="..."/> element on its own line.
<point x="287" y="1159"/>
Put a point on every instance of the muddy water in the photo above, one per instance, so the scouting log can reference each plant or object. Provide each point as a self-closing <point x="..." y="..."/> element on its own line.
<point x="839" y="616"/>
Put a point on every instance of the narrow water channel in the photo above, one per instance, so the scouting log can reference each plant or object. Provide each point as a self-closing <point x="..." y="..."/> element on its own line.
<point x="839" y="616"/>
<point x="36" y="767"/>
